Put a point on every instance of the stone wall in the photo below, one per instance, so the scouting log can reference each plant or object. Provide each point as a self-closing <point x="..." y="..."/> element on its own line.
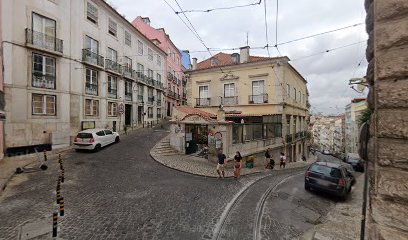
<point x="387" y="74"/>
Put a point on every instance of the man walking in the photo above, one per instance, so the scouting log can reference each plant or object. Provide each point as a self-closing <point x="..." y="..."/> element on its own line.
<point x="221" y="164"/>
<point x="282" y="160"/>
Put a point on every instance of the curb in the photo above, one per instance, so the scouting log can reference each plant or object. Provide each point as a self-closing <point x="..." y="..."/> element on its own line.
<point x="202" y="175"/>
<point x="4" y="185"/>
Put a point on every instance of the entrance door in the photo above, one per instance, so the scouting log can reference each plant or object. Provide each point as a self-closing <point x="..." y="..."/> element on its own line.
<point x="168" y="109"/>
<point x="196" y="137"/>
<point x="128" y="114"/>
<point x="139" y="114"/>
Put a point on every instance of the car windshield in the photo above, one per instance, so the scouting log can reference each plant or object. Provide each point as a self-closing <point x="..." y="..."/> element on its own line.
<point x="84" y="135"/>
<point x="325" y="170"/>
<point x="354" y="160"/>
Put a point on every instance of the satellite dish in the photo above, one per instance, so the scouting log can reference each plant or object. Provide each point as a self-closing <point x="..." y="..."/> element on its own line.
<point x="360" y="87"/>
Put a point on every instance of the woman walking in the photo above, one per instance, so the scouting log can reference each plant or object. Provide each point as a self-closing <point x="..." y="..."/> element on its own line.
<point x="267" y="158"/>
<point x="237" y="165"/>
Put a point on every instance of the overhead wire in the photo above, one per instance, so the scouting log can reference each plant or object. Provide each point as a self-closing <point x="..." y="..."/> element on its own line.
<point x="220" y="8"/>
<point x="266" y="30"/>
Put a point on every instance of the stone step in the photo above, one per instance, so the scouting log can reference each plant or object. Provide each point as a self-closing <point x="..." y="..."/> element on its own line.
<point x="165" y="151"/>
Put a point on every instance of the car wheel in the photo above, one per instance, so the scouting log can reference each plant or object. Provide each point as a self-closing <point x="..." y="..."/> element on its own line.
<point x="117" y="139"/>
<point x="307" y="187"/>
<point x="97" y="148"/>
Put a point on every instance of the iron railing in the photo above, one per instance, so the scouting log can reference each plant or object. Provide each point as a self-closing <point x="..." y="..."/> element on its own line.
<point x="158" y="102"/>
<point x="92" y="58"/>
<point x="91" y="89"/>
<point x="203" y="101"/>
<point x="41" y="80"/>
<point x="229" y="100"/>
<point x="128" y="96"/>
<point x="140" y="98"/>
<point x="113" y="66"/>
<point x="112" y="93"/>
<point x="43" y="40"/>
<point x="258" y="99"/>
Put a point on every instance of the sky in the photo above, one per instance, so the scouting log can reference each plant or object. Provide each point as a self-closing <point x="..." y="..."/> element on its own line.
<point x="327" y="73"/>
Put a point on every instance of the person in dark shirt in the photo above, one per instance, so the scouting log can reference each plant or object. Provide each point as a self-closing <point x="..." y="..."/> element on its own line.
<point x="221" y="164"/>
<point x="237" y="165"/>
<point x="267" y="158"/>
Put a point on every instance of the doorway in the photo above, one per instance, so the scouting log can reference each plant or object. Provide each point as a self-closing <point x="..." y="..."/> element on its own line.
<point x="128" y="114"/>
<point x="139" y="114"/>
<point x="196" y="137"/>
<point x="168" y="109"/>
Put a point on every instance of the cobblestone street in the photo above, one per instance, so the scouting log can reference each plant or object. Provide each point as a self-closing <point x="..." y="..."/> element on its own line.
<point x="122" y="193"/>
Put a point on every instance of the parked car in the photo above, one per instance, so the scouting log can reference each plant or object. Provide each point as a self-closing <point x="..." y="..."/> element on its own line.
<point x="355" y="161"/>
<point x="330" y="177"/>
<point x="326" y="152"/>
<point x="95" y="139"/>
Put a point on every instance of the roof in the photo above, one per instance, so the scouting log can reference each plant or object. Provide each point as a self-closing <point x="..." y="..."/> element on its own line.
<point x="194" y="111"/>
<point x="224" y="59"/>
<point x="248" y="114"/>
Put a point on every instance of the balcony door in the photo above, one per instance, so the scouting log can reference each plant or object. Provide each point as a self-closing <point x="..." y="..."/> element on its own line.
<point x="258" y="91"/>
<point x="44" y="31"/>
<point x="203" y="96"/>
<point x="92" y="47"/>
<point x="229" y="94"/>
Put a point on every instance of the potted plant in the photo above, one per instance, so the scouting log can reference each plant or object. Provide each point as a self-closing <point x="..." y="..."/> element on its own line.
<point x="249" y="163"/>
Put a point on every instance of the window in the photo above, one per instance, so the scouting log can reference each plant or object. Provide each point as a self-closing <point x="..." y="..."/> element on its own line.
<point x="258" y="91"/>
<point x="150" y="54"/>
<point x="113" y="27"/>
<point x="100" y="133"/>
<point x="300" y="97"/>
<point x="203" y="91"/>
<point x="294" y="93"/>
<point x="112" y="87"/>
<point x="229" y="90"/>
<point x="43" y="72"/>
<point x="169" y="52"/>
<point x="158" y="77"/>
<point x="91" y="44"/>
<point x="158" y="60"/>
<point x="43" y="104"/>
<point x="112" y="109"/>
<point x="128" y="91"/>
<point x="159" y="113"/>
<point x="288" y="90"/>
<point x="140" y="48"/>
<point x="91" y="107"/>
<point x="112" y="55"/>
<point x="140" y="69"/>
<point x="91" y="13"/>
<point x="128" y="38"/>
<point x="91" y="82"/>
<point x="128" y="63"/>
<point x="44" y="31"/>
<point x="108" y="132"/>
<point x="150" y="112"/>
<point x="150" y="73"/>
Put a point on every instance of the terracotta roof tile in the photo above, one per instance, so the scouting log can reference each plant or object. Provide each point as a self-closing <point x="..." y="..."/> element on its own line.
<point x="224" y="59"/>
<point x="191" y="110"/>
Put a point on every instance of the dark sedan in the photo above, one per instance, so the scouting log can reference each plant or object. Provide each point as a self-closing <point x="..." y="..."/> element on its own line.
<point x="330" y="177"/>
<point x="356" y="162"/>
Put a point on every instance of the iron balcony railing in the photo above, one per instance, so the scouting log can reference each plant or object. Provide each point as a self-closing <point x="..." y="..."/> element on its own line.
<point x="289" y="138"/>
<point x="43" y="40"/>
<point x="229" y="100"/>
<point x="149" y="80"/>
<point x="112" y="93"/>
<point x="169" y="76"/>
<point x="257" y="99"/>
<point x="113" y="66"/>
<point x="150" y="115"/>
<point x="128" y="96"/>
<point x="92" y="58"/>
<point x="159" y="115"/>
<point x="41" y="80"/>
<point x="140" y="98"/>
<point x="91" y="89"/>
<point x="127" y="71"/>
<point x="158" y="102"/>
<point x="150" y="100"/>
<point x="203" y="101"/>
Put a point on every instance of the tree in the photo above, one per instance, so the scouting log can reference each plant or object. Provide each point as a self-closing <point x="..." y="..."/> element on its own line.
<point x="365" y="116"/>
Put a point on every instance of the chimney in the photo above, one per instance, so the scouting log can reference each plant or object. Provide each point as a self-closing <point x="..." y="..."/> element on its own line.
<point x="146" y="20"/>
<point x="244" y="52"/>
<point x="194" y="63"/>
<point x="235" y="58"/>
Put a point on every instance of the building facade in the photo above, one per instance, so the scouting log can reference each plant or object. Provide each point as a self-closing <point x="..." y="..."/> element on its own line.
<point x="352" y="124"/>
<point x="265" y="98"/>
<point x="175" y="80"/>
<point x="387" y="75"/>
<point x="2" y="101"/>
<point x="72" y="65"/>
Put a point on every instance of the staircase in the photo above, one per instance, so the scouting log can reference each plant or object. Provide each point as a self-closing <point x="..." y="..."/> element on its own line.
<point x="163" y="148"/>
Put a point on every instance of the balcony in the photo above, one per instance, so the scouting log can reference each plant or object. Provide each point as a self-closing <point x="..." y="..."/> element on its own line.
<point x="169" y="76"/>
<point x="149" y="80"/>
<point x="297" y="135"/>
<point x="91" y="89"/>
<point x="185" y="95"/>
<point x="41" y="40"/>
<point x="112" y="93"/>
<point x="43" y="81"/>
<point x="140" y="98"/>
<point x="159" y="116"/>
<point x="229" y="100"/>
<point x="158" y="102"/>
<point x="127" y="71"/>
<point x="258" y="99"/>
<point x="203" y="102"/>
<point x="113" y="66"/>
<point x="128" y="96"/>
<point x="184" y="82"/>
<point x="289" y="138"/>
<point x="150" y="115"/>
<point x="92" y="58"/>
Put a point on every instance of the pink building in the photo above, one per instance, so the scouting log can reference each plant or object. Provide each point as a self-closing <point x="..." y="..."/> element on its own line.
<point x="175" y="81"/>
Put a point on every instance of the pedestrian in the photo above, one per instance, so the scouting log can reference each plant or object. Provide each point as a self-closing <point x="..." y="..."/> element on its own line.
<point x="303" y="158"/>
<point x="125" y="128"/>
<point x="272" y="163"/>
<point x="237" y="165"/>
<point x="282" y="160"/>
<point x="221" y="164"/>
<point x="267" y="158"/>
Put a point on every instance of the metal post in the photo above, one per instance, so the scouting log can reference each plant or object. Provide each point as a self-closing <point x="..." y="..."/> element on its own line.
<point x="54" y="224"/>
<point x="61" y="207"/>
<point x="45" y="155"/>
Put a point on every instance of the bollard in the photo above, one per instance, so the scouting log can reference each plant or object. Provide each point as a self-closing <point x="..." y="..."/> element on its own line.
<point x="45" y="155"/>
<point x="62" y="207"/>
<point x="62" y="176"/>
<point x="54" y="224"/>
<point x="58" y="186"/>
<point x="58" y="196"/>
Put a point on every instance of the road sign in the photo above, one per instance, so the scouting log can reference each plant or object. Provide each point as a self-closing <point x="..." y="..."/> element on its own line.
<point x="121" y="108"/>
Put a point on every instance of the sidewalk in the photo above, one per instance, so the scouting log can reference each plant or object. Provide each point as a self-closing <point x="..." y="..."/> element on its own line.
<point x="163" y="154"/>
<point x="343" y="221"/>
<point x="8" y="165"/>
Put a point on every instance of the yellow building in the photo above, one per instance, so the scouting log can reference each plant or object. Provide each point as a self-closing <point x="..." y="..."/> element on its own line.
<point x="266" y="98"/>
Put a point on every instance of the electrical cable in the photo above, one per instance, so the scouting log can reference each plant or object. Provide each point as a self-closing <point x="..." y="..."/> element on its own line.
<point x="266" y="30"/>
<point x="220" y="8"/>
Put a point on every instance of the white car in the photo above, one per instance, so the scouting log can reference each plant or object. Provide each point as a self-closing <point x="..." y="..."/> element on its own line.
<point x="326" y="152"/>
<point x="95" y="139"/>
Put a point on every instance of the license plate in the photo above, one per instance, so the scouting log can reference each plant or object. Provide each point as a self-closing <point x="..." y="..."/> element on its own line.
<point x="324" y="183"/>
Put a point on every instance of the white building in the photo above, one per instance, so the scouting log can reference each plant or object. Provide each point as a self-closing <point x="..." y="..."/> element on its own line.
<point x="71" y="65"/>
<point x="352" y="124"/>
